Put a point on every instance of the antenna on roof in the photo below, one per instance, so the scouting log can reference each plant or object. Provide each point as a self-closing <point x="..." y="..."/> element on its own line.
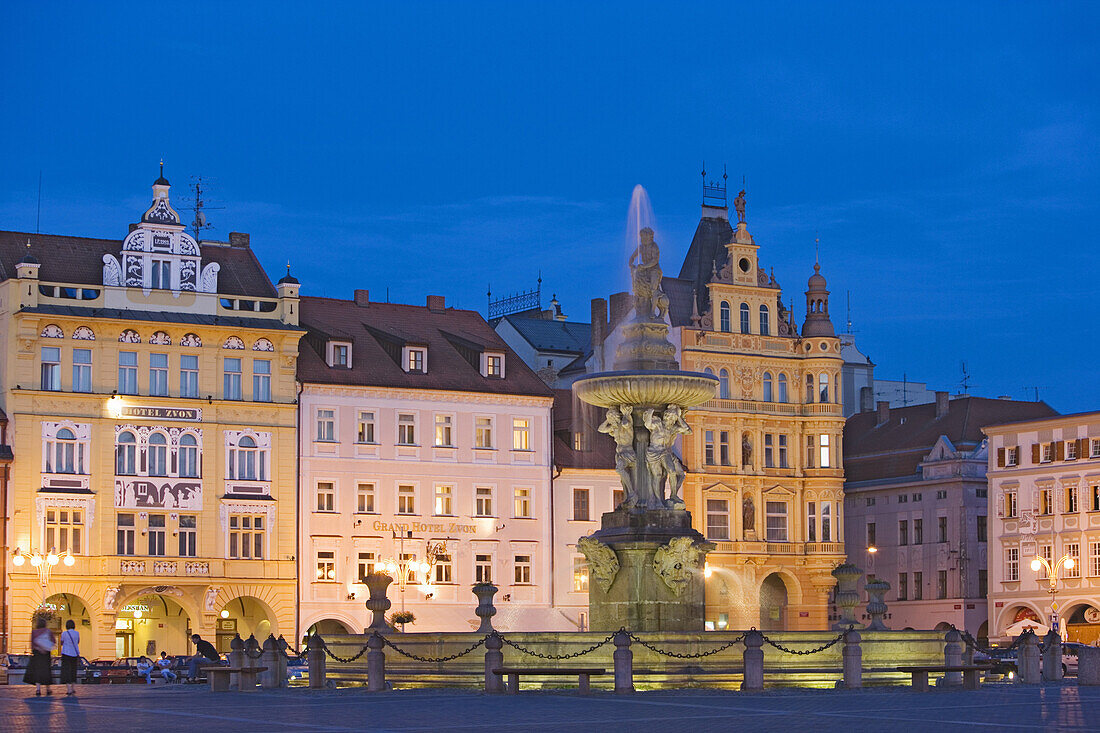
<point x="38" y="219"/>
<point x="964" y="384"/>
<point x="199" y="206"/>
<point x="849" y="311"/>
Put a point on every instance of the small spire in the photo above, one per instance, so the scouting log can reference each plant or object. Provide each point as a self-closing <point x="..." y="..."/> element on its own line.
<point x="162" y="167"/>
<point x="817" y="253"/>
<point x="288" y="267"/>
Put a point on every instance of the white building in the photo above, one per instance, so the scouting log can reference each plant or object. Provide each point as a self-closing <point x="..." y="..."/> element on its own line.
<point x="424" y="443"/>
<point x="1044" y="501"/>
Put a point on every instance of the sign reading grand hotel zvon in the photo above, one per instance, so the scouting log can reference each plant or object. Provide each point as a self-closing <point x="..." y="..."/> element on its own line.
<point x="189" y="414"/>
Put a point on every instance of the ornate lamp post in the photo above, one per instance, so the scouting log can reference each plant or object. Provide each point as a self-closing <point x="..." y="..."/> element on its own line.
<point x="1065" y="561"/>
<point x="43" y="563"/>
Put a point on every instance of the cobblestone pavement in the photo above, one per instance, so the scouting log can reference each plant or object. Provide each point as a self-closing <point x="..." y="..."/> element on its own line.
<point x="134" y="707"/>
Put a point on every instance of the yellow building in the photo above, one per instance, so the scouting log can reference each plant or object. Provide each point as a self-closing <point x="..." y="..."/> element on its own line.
<point x="764" y="459"/>
<point x="150" y="388"/>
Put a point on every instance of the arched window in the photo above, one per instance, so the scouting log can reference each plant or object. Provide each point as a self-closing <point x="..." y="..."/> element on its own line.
<point x="158" y="455"/>
<point x="810" y="386"/>
<point x="126" y="454"/>
<point x="744" y="318"/>
<point x="708" y="370"/>
<point x="249" y="461"/>
<point x="782" y="387"/>
<point x="189" y="456"/>
<point x="724" y="384"/>
<point x="767" y="386"/>
<point x="764" y="329"/>
<point x="724" y="316"/>
<point x="823" y="382"/>
<point x="67" y="454"/>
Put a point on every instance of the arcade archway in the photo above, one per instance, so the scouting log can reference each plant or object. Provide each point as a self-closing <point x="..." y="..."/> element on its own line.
<point x="151" y="624"/>
<point x="773" y="603"/>
<point x="65" y="607"/>
<point x="246" y="616"/>
<point x="328" y="627"/>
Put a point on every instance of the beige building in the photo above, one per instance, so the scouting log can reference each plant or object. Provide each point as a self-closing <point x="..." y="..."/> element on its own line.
<point x="1044" y="501"/>
<point x="149" y="384"/>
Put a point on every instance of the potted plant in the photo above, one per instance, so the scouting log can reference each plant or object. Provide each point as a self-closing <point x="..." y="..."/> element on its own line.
<point x="402" y="617"/>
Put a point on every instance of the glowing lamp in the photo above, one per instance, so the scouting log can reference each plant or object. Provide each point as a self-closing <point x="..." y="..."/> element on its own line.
<point x="18" y="560"/>
<point x="137" y="613"/>
<point x="36" y="560"/>
<point x="70" y="560"/>
<point x="707" y="571"/>
<point x="52" y="558"/>
<point x="225" y="613"/>
<point x="391" y="568"/>
<point x="1035" y="564"/>
<point x="424" y="567"/>
<point x="872" y="549"/>
<point x="1069" y="563"/>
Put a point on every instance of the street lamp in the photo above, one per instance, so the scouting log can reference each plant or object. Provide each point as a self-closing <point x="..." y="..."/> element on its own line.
<point x="43" y="563"/>
<point x="1065" y="561"/>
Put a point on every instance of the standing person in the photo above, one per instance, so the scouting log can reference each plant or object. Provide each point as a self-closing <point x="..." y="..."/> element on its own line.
<point x="164" y="664"/>
<point x="70" y="656"/>
<point x="204" y="651"/>
<point x="38" y="668"/>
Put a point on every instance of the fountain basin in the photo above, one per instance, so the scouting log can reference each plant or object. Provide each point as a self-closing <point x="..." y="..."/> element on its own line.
<point x="643" y="389"/>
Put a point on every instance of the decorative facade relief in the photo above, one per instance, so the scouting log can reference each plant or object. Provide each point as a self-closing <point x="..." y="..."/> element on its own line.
<point x="52" y="331"/>
<point x="191" y="340"/>
<point x="83" y="333"/>
<point x="208" y="281"/>
<point x="110" y="595"/>
<point x="677" y="561"/>
<point x="210" y="600"/>
<point x="112" y="271"/>
<point x="161" y="339"/>
<point x="129" y="336"/>
<point x="233" y="342"/>
<point x="603" y="564"/>
<point x="263" y="345"/>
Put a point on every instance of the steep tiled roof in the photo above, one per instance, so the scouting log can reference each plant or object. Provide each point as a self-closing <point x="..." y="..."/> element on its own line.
<point x="706" y="253"/>
<point x="895" y="448"/>
<point x="551" y="335"/>
<point x="454" y="339"/>
<point x="601" y="448"/>
<point x="79" y="260"/>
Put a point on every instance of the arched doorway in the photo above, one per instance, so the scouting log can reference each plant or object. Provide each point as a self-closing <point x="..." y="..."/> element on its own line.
<point x="64" y="607"/>
<point x="773" y="603"/>
<point x="246" y="616"/>
<point x="1083" y="624"/>
<point x="983" y="633"/>
<point x="151" y="624"/>
<point x="328" y="627"/>
<point x="942" y="627"/>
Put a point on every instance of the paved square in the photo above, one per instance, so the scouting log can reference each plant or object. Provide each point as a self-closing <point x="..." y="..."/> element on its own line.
<point x="135" y="707"/>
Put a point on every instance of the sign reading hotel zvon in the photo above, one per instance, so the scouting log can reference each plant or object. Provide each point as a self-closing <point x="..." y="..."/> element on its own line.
<point x="425" y="527"/>
<point x="189" y="414"/>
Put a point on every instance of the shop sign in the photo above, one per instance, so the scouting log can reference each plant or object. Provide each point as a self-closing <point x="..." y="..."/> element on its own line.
<point x="187" y="414"/>
<point x="436" y="527"/>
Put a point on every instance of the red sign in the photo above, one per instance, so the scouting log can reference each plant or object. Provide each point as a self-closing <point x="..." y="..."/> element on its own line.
<point x="803" y="614"/>
<point x="998" y="604"/>
<point x="958" y="606"/>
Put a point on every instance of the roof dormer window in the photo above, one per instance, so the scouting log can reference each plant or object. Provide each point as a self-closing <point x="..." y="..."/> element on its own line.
<point x="339" y="354"/>
<point x="492" y="365"/>
<point x="415" y="359"/>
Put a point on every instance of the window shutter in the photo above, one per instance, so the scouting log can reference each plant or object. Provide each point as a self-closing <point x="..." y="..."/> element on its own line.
<point x="1001" y="457"/>
<point x="1082" y="447"/>
<point x="1035" y="453"/>
<point x="1059" y="451"/>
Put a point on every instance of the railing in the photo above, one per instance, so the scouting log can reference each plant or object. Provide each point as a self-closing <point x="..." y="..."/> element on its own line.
<point x="782" y="548"/>
<point x="772" y="408"/>
<point x="824" y="548"/>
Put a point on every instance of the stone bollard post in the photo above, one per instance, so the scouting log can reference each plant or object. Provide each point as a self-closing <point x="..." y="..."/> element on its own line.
<point x="376" y="663"/>
<point x="269" y="657"/>
<point x="315" y="657"/>
<point x="876" y="604"/>
<point x="378" y="603"/>
<point x="624" y="663"/>
<point x="1028" y="659"/>
<point x="1088" y="665"/>
<point x="853" y="660"/>
<point x="952" y="656"/>
<point x="494" y="658"/>
<point x="485" y="609"/>
<point x="236" y="659"/>
<point x="847" y="594"/>
<point x="1052" y="656"/>
<point x="754" y="662"/>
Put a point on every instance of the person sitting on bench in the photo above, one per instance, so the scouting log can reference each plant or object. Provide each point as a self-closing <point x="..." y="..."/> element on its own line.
<point x="204" y="653"/>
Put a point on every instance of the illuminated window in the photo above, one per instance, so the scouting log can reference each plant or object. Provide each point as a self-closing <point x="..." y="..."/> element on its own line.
<point x="365" y="567"/>
<point x="483" y="432"/>
<point x="326" y="566"/>
<point x="580" y="574"/>
<point x="444" y="432"/>
<point x="364" y="499"/>
<point x="365" y="431"/>
<point x="521" y="433"/>
<point x="824" y="461"/>
<point x="64" y="530"/>
<point x="523" y="503"/>
<point x="444" y="501"/>
<point x="406" y="499"/>
<point x="443" y="569"/>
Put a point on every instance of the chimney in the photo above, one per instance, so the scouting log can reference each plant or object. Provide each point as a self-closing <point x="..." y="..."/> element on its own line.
<point x="941" y="404"/>
<point x="362" y="298"/>
<point x="883" y="412"/>
<point x="620" y="306"/>
<point x="238" y="239"/>
<point x="436" y="304"/>
<point x="599" y="328"/>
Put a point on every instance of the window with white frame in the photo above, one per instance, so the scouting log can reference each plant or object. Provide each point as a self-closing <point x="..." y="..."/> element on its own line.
<point x="124" y="534"/>
<point x="718" y="519"/>
<point x="406" y="499"/>
<point x="1071" y="499"/>
<point x="188" y="534"/>
<point x="365" y="430"/>
<point x="493" y="365"/>
<point x="444" y="431"/>
<point x="156" y="532"/>
<point x="126" y="454"/>
<point x="326" y="566"/>
<point x="339" y="354"/>
<point x="63" y="451"/>
<point x="1071" y="450"/>
<point x="823" y="388"/>
<point x="127" y="372"/>
<point x="158" y="375"/>
<point x="1012" y="456"/>
<point x="231" y="379"/>
<point x="160" y="274"/>
<point x="483" y="568"/>
<point x="64" y="530"/>
<point x="776" y="517"/>
<point x="783" y="451"/>
<point x="811" y="521"/>
<point x="261" y="380"/>
<point x="522" y="569"/>
<point x="1094" y="448"/>
<point x="416" y="359"/>
<point x="708" y="447"/>
<point x="1094" y="498"/>
<point x="444" y="569"/>
<point x="326" y="425"/>
<point x="364" y="499"/>
<point x="522" y="503"/>
<point x="1073" y="549"/>
<point x="483" y="501"/>
<point x="157" y="454"/>
<point x="521" y="433"/>
<point x="82" y="370"/>
<point x="444" y="500"/>
<point x="189" y="456"/>
<point x="326" y="496"/>
<point x="365" y="566"/>
<point x="247" y="536"/>
<point x="1094" y="559"/>
<point x="247" y="459"/>
<point x="1010" y="504"/>
<point x="824" y="460"/>
<point x="581" y="504"/>
<point x="1012" y="563"/>
<point x="1046" y="500"/>
<point x="826" y="521"/>
<point x="483" y="432"/>
<point x="406" y="429"/>
<point x="580" y="574"/>
<point x="1046" y="453"/>
<point x="189" y="375"/>
<point x="724" y="447"/>
<point x="51" y="368"/>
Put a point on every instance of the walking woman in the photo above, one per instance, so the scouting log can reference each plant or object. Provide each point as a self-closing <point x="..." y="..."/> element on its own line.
<point x="38" y="668"/>
<point x="70" y="655"/>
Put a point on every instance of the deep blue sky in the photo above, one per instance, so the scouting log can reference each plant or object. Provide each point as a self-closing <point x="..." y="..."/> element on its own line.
<point x="945" y="153"/>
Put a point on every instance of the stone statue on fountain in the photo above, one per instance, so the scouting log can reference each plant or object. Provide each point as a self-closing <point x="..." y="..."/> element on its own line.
<point x="660" y="457"/>
<point x="619" y="424"/>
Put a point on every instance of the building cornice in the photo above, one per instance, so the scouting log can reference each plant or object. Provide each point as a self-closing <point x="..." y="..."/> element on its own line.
<point x="429" y="395"/>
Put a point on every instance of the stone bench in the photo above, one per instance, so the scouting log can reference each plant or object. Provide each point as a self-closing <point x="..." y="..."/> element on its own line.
<point x="972" y="679"/>
<point x="219" y="677"/>
<point x="583" y="675"/>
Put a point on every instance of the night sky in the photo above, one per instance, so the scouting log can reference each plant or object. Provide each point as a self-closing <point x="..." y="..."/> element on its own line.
<point x="945" y="153"/>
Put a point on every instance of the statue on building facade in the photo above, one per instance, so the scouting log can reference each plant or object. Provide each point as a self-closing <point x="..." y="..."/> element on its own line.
<point x="748" y="516"/>
<point x="660" y="457"/>
<point x="619" y="424"/>
<point x="739" y="205"/>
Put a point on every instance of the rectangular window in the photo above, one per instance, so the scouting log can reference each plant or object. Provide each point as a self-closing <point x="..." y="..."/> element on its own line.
<point x="941" y="584"/>
<point x="783" y="451"/>
<point x="1071" y="450"/>
<point x="826" y="522"/>
<point x="708" y="448"/>
<point x="811" y="521"/>
<point x="406" y="499"/>
<point x="872" y="534"/>
<point x="903" y="532"/>
<point x="156" y="534"/>
<point x="125" y="534"/>
<point x="903" y="498"/>
<point x="365" y="565"/>
<point x="483" y="501"/>
<point x="1046" y="501"/>
<point x="82" y="370"/>
<point x="903" y="586"/>
<point x="494" y="366"/>
<point x="188" y="535"/>
<point x="918" y="531"/>
<point x="261" y="380"/>
<point x="1094" y="495"/>
<point x="246" y="536"/>
<point x="189" y="375"/>
<point x="617" y="496"/>
<point x="1073" y="549"/>
<point x="522" y="568"/>
<point x="521" y="433"/>
<point x="1094" y="450"/>
<point x="1071" y="500"/>
<point x="340" y="355"/>
<point x="326" y="566"/>
<point x="769" y="457"/>
<point x="158" y="375"/>
<point x="825" y="461"/>
<point x="1047" y="553"/>
<point x="483" y="432"/>
<point x="1047" y="453"/>
<point x="365" y="431"/>
<point x="1094" y="559"/>
<point x="810" y="451"/>
<point x="483" y="568"/>
<point x="918" y="586"/>
<point x="941" y="494"/>
<point x="160" y="275"/>
<point x="127" y="372"/>
<point x="1010" y="504"/>
<point x="941" y="523"/>
<point x="917" y="497"/>
<point x="231" y="379"/>
<point x="326" y="426"/>
<point x="1012" y="563"/>
<point x="444" y="431"/>
<point x="416" y="360"/>
<point x="406" y="429"/>
<point x="523" y="503"/>
<point x="776" y="512"/>
<point x="724" y="448"/>
<point x="364" y="499"/>
<point x="983" y="529"/>
<point x="718" y="519"/>
<point x="326" y="496"/>
<point x="580" y="505"/>
<point x="983" y="583"/>
<point x="443" y="569"/>
<point x="580" y="574"/>
<point x="1012" y="456"/>
<point x="444" y="501"/>
<point x="64" y="530"/>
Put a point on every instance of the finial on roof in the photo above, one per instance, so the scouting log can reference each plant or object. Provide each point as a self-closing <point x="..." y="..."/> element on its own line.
<point x="817" y="253"/>
<point x="161" y="181"/>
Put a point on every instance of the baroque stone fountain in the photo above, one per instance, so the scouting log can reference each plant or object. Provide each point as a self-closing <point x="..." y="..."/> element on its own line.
<point x="646" y="561"/>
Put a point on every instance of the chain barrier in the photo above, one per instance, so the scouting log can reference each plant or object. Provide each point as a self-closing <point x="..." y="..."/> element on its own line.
<point x="971" y="642"/>
<point x="677" y="655"/>
<point x="259" y="653"/>
<point x="806" y="652"/>
<point x="433" y="660"/>
<point x="553" y="657"/>
<point x="343" y="660"/>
